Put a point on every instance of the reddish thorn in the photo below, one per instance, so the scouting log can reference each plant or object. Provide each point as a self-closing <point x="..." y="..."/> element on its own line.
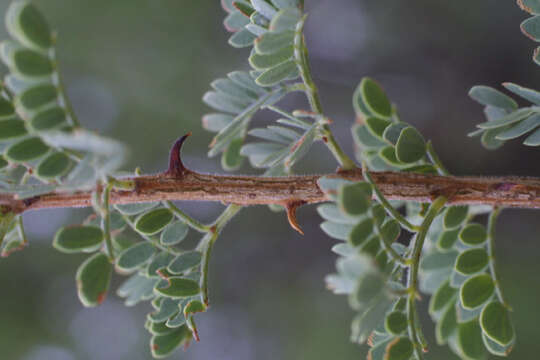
<point x="291" y="214"/>
<point x="176" y="167"/>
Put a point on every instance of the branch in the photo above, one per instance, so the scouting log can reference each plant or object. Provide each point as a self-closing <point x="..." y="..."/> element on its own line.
<point x="180" y="183"/>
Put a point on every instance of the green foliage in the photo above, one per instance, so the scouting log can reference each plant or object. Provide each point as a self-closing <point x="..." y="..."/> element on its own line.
<point x="93" y="278"/>
<point x="80" y="238"/>
<point x="43" y="148"/>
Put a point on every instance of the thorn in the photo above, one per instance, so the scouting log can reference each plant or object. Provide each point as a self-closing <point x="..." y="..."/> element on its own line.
<point x="176" y="167"/>
<point x="291" y="214"/>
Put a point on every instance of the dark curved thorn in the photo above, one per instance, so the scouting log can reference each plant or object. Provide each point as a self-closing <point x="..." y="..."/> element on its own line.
<point x="176" y="167"/>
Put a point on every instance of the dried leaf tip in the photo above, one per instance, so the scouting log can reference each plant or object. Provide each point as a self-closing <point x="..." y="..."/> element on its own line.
<point x="291" y="214"/>
<point x="176" y="167"/>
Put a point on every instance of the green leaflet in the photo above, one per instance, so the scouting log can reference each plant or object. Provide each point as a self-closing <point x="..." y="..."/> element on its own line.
<point x="54" y="165"/>
<point x="241" y="39"/>
<point x="35" y="97"/>
<point x="80" y="238"/>
<point x="272" y="42"/>
<point x="371" y="97"/>
<point x="443" y="297"/>
<point x="49" y="119"/>
<point x="400" y="348"/>
<point x="509" y="119"/>
<point x="26" y="150"/>
<point x="361" y="232"/>
<point x="285" y="19"/>
<point x="469" y="340"/>
<point x="531" y="28"/>
<point x="178" y="287"/>
<point x="529" y="94"/>
<point x="135" y="256"/>
<point x="473" y="234"/>
<point x="455" y="216"/>
<point x="396" y="322"/>
<point x="472" y="261"/>
<point x="355" y="199"/>
<point x="520" y="128"/>
<point x="6" y="109"/>
<point x="153" y="221"/>
<point x="174" y="233"/>
<point x="25" y="23"/>
<point x="25" y="62"/>
<point x="486" y="95"/>
<point x="232" y="159"/>
<point x="184" y="262"/>
<point x="533" y="139"/>
<point x="410" y="146"/>
<point x="496" y="323"/>
<point x="163" y="345"/>
<point x="268" y="61"/>
<point x="11" y="128"/>
<point x="136" y="208"/>
<point x="476" y="291"/>
<point x="274" y="75"/>
<point x="447" y="325"/>
<point x="93" y="278"/>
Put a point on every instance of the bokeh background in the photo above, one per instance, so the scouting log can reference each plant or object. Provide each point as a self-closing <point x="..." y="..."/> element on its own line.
<point x="136" y="70"/>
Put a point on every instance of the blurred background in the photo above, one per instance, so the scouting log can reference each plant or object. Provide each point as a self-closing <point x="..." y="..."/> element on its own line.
<point x="136" y="70"/>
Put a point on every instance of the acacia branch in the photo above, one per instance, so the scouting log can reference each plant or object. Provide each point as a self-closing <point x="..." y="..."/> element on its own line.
<point x="180" y="183"/>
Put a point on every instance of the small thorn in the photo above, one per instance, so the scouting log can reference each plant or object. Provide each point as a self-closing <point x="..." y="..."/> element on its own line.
<point x="291" y="214"/>
<point x="176" y="167"/>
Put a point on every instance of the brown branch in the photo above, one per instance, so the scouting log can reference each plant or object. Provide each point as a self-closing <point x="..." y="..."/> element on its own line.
<point x="180" y="183"/>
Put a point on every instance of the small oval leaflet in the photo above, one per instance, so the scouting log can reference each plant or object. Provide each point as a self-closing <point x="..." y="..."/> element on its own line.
<point x="442" y="297"/>
<point x="469" y="340"/>
<point x="447" y="325"/>
<point x="473" y="234"/>
<point x="396" y="322"/>
<point x="355" y="199"/>
<point x="163" y="345"/>
<point x="375" y="99"/>
<point x="37" y="96"/>
<point x="178" y="288"/>
<point x="400" y="348"/>
<point x="185" y="261"/>
<point x="361" y="232"/>
<point x="455" y="216"/>
<point x="153" y="221"/>
<point x="26" y="150"/>
<point x="30" y="63"/>
<point x="49" y="119"/>
<point x="411" y="146"/>
<point x="79" y="238"/>
<point x="135" y="256"/>
<point x="93" y="278"/>
<point x="174" y="233"/>
<point x="6" y="108"/>
<point x="11" y="128"/>
<point x="496" y="323"/>
<point x="231" y="159"/>
<point x="476" y="291"/>
<point x="447" y="239"/>
<point x="54" y="165"/>
<point x="136" y="208"/>
<point x="486" y="95"/>
<point x="26" y="24"/>
<point x="472" y="261"/>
